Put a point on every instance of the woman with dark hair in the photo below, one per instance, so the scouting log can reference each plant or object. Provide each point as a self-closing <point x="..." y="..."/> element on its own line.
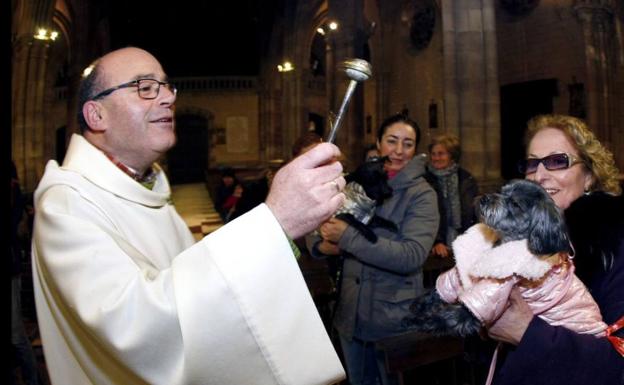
<point x="567" y="160"/>
<point x="456" y="189"/>
<point x="380" y="279"/>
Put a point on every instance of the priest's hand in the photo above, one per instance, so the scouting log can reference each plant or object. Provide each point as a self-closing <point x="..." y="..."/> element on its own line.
<point x="308" y="190"/>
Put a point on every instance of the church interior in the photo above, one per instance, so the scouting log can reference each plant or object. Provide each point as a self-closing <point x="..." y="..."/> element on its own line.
<point x="476" y="69"/>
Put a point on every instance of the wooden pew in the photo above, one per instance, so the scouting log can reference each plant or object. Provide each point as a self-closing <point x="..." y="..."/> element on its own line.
<point x="411" y="350"/>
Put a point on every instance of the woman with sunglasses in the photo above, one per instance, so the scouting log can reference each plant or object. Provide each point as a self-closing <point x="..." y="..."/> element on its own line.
<point x="567" y="160"/>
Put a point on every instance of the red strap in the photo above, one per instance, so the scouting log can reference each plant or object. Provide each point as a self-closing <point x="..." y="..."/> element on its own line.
<point x="617" y="342"/>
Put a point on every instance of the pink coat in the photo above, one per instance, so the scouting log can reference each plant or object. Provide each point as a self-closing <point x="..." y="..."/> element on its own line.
<point x="484" y="276"/>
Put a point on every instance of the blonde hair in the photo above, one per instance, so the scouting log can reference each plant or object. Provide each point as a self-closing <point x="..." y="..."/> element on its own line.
<point x="596" y="158"/>
<point x="448" y="141"/>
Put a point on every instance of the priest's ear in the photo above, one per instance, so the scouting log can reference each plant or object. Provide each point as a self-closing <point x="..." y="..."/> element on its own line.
<point x="93" y="113"/>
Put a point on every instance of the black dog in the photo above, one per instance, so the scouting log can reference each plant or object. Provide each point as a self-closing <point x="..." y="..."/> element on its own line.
<point x="367" y="187"/>
<point x="523" y="210"/>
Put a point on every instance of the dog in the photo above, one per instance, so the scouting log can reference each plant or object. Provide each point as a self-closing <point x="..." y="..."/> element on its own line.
<point x="367" y="187"/>
<point x="521" y="241"/>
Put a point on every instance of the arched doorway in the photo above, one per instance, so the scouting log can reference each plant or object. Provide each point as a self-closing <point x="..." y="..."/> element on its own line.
<point x="187" y="160"/>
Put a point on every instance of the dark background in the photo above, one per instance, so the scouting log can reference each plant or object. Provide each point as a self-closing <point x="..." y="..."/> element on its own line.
<point x="195" y="38"/>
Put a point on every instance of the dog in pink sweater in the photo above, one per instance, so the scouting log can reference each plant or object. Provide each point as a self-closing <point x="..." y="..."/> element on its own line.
<point x="521" y="241"/>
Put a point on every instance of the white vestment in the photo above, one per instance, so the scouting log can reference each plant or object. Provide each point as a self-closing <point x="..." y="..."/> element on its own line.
<point x="125" y="296"/>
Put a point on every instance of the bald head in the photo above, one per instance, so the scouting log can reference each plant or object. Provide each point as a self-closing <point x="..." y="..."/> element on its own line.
<point x="120" y="60"/>
<point x="126" y="105"/>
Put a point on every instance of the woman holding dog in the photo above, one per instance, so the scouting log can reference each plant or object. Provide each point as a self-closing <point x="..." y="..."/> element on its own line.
<point x="567" y="160"/>
<point x="456" y="189"/>
<point x="381" y="279"/>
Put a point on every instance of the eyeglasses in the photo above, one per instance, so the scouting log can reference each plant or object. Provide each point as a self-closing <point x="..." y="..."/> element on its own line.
<point x="551" y="162"/>
<point x="146" y="88"/>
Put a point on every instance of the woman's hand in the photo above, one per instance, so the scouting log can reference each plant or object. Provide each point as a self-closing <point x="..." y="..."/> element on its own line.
<point x="333" y="229"/>
<point x="328" y="248"/>
<point x="514" y="321"/>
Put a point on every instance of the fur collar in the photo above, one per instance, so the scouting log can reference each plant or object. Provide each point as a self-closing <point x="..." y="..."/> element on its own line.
<point x="476" y="257"/>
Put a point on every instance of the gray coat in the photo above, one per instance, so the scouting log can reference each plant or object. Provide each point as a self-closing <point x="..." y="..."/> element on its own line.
<point x="380" y="280"/>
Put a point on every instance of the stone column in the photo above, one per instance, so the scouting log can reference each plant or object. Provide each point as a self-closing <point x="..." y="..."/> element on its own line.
<point x="29" y="66"/>
<point x="597" y="22"/>
<point x="290" y="104"/>
<point x="29" y="89"/>
<point x="21" y="48"/>
<point x="471" y="89"/>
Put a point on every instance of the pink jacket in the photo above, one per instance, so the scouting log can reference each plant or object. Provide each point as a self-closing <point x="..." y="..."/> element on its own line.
<point x="483" y="277"/>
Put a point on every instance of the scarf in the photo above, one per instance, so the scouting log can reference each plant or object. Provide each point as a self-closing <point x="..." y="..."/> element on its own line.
<point x="448" y="183"/>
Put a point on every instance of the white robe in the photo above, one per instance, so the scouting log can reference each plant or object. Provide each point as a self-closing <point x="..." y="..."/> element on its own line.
<point x="125" y="296"/>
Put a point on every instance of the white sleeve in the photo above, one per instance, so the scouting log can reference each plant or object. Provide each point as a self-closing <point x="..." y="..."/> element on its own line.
<point x="248" y="317"/>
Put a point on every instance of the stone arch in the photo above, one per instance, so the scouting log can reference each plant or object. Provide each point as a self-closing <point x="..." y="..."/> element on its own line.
<point x="317" y="72"/>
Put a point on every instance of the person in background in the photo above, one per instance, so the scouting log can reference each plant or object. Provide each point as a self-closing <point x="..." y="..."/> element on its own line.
<point x="305" y="142"/>
<point x="567" y="160"/>
<point x="380" y="280"/>
<point x="456" y="189"/>
<point x="226" y="194"/>
<point x="22" y="350"/>
<point x="125" y="295"/>
<point x="322" y="283"/>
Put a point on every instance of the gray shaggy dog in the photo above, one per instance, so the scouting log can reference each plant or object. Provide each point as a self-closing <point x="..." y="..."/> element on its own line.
<point x="522" y="210"/>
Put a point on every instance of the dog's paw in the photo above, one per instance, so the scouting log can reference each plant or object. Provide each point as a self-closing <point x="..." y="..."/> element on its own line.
<point x="426" y="303"/>
<point x="430" y="314"/>
<point x="430" y="323"/>
<point x="460" y="321"/>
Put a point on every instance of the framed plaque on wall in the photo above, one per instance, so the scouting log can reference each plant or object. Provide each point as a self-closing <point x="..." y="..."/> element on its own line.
<point x="237" y="134"/>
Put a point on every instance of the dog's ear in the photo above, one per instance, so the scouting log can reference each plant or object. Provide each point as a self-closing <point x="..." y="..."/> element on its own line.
<point x="548" y="233"/>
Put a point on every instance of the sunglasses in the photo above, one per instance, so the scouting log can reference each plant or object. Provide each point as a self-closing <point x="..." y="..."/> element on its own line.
<point x="551" y="162"/>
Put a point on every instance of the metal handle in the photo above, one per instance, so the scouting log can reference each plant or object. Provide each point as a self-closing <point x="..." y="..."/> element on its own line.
<point x="343" y="107"/>
<point x="357" y="70"/>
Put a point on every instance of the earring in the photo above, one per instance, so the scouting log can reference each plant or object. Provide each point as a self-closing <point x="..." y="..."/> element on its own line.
<point x="586" y="192"/>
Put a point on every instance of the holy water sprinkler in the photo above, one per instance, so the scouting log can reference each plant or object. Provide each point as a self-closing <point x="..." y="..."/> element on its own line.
<point x="358" y="70"/>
